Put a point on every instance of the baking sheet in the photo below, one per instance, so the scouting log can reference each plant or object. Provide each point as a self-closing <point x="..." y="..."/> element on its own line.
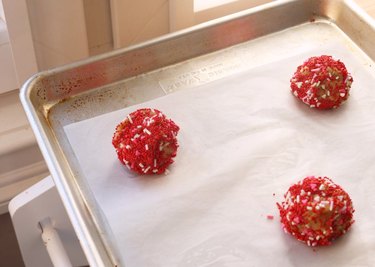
<point x="243" y="139"/>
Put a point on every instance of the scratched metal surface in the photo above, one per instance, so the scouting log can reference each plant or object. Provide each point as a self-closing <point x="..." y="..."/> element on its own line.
<point x="179" y="61"/>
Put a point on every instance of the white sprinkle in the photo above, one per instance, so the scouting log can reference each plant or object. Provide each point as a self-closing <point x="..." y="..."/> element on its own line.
<point x="308" y="243"/>
<point x="328" y="93"/>
<point x="317" y="198"/>
<point x="329" y="74"/>
<point x="154" y="162"/>
<point x="331" y="206"/>
<point x="309" y="208"/>
<point x="315" y="70"/>
<point x="127" y="166"/>
<point x="155" y="170"/>
<point x="323" y="87"/>
<point x="311" y="238"/>
<point x="295" y="93"/>
<point x="312" y="106"/>
<point x="337" y="77"/>
<point x="153" y="110"/>
<point x="321" y="187"/>
<point x="317" y="207"/>
<point x="314" y="244"/>
<point x="318" y="83"/>
<point x="324" y="96"/>
<point x="136" y="136"/>
<point x="309" y="193"/>
<point x="317" y="237"/>
<point x="342" y="94"/>
<point x="340" y="198"/>
<point x="146" y="146"/>
<point x="166" y="172"/>
<point x="128" y="147"/>
<point x="139" y="126"/>
<point x="141" y="165"/>
<point x="302" y="192"/>
<point x="147" y="169"/>
<point x="297" y="200"/>
<point x="318" y="104"/>
<point x="146" y="131"/>
<point x="130" y="119"/>
<point x="299" y="84"/>
<point x="125" y="161"/>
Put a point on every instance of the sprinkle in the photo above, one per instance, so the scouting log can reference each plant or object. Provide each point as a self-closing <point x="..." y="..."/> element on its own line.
<point x="141" y="165"/>
<point x="270" y="217"/>
<point x="315" y="70"/>
<point x="321" y="187"/>
<point x="155" y="170"/>
<point x="154" y="162"/>
<point x="166" y="172"/>
<point x="146" y="146"/>
<point x="309" y="208"/>
<point x="331" y="206"/>
<point x="130" y="119"/>
<point x="342" y="94"/>
<point x="128" y="147"/>
<point x="146" y="131"/>
<point x="299" y="84"/>
<point x="297" y="200"/>
<point x="146" y="170"/>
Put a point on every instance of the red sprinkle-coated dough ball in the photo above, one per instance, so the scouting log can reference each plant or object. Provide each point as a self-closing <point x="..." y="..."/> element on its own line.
<point x="316" y="211"/>
<point x="145" y="141"/>
<point x="321" y="82"/>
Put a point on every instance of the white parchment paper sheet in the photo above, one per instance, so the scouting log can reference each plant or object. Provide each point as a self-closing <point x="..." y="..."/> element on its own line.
<point x="243" y="138"/>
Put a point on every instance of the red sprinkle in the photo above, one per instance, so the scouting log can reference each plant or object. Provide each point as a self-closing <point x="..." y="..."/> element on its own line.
<point x="316" y="211"/>
<point x="270" y="217"/>
<point x="145" y="141"/>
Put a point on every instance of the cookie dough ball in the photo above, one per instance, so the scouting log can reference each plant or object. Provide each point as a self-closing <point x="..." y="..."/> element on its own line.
<point x="322" y="82"/>
<point x="316" y="211"/>
<point x="145" y="141"/>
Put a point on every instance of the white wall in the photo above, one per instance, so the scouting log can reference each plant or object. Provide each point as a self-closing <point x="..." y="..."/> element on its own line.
<point x="58" y="31"/>
<point x="2" y="16"/>
<point x="137" y="21"/>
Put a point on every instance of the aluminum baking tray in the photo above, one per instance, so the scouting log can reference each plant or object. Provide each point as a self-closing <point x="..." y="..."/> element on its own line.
<point x="55" y="98"/>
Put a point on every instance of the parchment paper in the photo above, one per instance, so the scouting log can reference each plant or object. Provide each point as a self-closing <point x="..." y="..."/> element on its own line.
<point x="244" y="140"/>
